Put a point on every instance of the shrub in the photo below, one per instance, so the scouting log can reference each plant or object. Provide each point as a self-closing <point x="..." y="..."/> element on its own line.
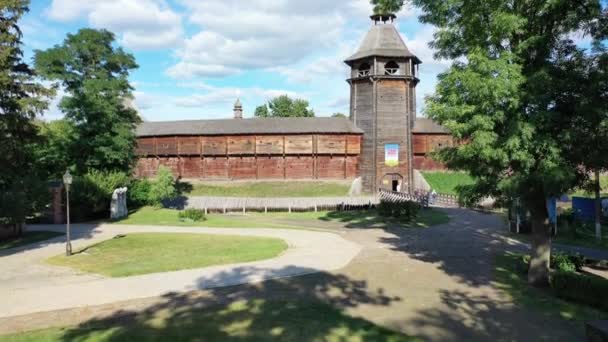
<point x="192" y="215"/>
<point x="561" y="262"/>
<point x="91" y="194"/>
<point x="139" y="193"/>
<point x="581" y="288"/>
<point x="163" y="188"/>
<point x="405" y="211"/>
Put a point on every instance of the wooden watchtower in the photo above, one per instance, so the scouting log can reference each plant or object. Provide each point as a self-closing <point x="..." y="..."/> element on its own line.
<point x="383" y="104"/>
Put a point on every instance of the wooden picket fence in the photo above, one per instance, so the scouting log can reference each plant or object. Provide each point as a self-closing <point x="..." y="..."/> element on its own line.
<point x="296" y="204"/>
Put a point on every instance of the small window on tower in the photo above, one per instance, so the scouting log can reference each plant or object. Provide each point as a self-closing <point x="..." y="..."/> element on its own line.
<point x="364" y="70"/>
<point x="391" y="68"/>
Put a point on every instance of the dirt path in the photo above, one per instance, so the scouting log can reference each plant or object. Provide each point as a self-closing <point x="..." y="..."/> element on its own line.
<point x="435" y="283"/>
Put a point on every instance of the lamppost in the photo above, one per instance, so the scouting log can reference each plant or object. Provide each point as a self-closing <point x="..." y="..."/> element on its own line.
<point x="67" y="181"/>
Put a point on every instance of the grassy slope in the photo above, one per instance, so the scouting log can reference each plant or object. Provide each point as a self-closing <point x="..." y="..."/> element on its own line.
<point x="150" y="253"/>
<point x="271" y="189"/>
<point x="603" y="185"/>
<point x="511" y="279"/>
<point x="28" y="238"/>
<point x="255" y="320"/>
<point x="363" y="219"/>
<point x="585" y="237"/>
<point x="446" y="182"/>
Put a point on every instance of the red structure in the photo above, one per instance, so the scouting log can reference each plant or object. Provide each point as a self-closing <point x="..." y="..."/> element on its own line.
<point x="382" y="141"/>
<point x="272" y="148"/>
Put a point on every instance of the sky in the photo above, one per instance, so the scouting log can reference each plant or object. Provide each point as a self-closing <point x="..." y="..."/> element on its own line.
<point x="197" y="56"/>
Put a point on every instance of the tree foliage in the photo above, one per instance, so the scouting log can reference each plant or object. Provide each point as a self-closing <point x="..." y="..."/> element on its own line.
<point x="504" y="96"/>
<point x="51" y="153"/>
<point x="284" y="107"/>
<point x="387" y="6"/>
<point x="339" y="115"/>
<point x="94" y="74"/>
<point x="21" y="100"/>
<point x="163" y="188"/>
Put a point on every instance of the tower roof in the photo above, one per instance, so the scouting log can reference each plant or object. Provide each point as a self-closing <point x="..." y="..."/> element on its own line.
<point x="382" y="40"/>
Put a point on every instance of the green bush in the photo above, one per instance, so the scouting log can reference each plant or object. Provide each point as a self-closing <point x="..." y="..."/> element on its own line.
<point x="91" y="194"/>
<point x="139" y="193"/>
<point x="405" y="211"/>
<point x="581" y="288"/>
<point x="163" y="188"/>
<point x="192" y="215"/>
<point x="561" y="262"/>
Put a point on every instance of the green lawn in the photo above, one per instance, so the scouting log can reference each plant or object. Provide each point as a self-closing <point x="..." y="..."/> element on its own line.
<point x="27" y="238"/>
<point x="295" y="220"/>
<point x="603" y="185"/>
<point x="584" y="236"/>
<point x="446" y="182"/>
<point x="144" y="253"/>
<point x="511" y="278"/>
<point x="255" y="320"/>
<point x="268" y="189"/>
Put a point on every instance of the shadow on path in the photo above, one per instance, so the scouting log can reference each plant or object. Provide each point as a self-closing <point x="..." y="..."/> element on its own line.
<point x="301" y="309"/>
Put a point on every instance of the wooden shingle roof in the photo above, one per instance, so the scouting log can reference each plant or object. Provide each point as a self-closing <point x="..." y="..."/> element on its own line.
<point x="248" y="127"/>
<point x="424" y="125"/>
<point x="382" y="40"/>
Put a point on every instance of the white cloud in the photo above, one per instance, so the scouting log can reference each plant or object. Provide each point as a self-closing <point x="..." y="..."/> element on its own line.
<point x="211" y="95"/>
<point x="240" y="35"/>
<point x="419" y="46"/>
<point x="143" y="24"/>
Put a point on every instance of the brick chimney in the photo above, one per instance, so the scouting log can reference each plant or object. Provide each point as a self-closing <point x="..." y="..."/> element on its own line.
<point x="238" y="109"/>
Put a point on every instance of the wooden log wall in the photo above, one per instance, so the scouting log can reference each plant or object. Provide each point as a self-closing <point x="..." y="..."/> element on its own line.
<point x="424" y="145"/>
<point x="252" y="157"/>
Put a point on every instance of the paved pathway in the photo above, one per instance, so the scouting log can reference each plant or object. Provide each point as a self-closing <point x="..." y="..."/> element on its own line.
<point x="435" y="283"/>
<point x="29" y="286"/>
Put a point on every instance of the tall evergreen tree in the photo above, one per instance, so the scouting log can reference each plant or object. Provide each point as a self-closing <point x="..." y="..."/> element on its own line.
<point x="500" y="98"/>
<point x="21" y="99"/>
<point x="95" y="74"/>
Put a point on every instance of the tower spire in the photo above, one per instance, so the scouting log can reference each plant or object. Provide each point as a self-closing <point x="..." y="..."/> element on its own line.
<point x="238" y="109"/>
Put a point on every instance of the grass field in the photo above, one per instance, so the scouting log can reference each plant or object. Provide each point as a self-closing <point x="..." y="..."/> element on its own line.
<point x="447" y="182"/>
<point x="254" y="320"/>
<point x="269" y="189"/>
<point x="603" y="185"/>
<point x="27" y="238"/>
<point x="145" y="253"/>
<point x="584" y="236"/>
<point x="295" y="220"/>
<point x="511" y="279"/>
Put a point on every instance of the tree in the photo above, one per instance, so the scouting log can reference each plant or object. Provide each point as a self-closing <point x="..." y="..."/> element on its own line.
<point x="21" y="100"/>
<point x="95" y="75"/>
<point x="387" y="6"/>
<point x="499" y="96"/>
<point x="163" y="188"/>
<point x="284" y="107"/>
<point x="262" y="111"/>
<point x="339" y="115"/>
<point x="51" y="153"/>
<point x="590" y="103"/>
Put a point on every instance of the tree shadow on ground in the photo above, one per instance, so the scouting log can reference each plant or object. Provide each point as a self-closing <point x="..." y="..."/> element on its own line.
<point x="77" y="231"/>
<point x="466" y="316"/>
<point x="371" y="219"/>
<point x="306" y="308"/>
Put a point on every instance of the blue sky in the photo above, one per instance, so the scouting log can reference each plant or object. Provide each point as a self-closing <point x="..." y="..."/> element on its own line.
<point x="197" y="56"/>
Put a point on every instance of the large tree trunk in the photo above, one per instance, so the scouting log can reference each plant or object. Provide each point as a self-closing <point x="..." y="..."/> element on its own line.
<point x="538" y="273"/>
<point x="598" y="206"/>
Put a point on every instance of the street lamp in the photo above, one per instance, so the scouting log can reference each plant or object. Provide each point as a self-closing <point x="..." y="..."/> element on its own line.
<point x="67" y="181"/>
